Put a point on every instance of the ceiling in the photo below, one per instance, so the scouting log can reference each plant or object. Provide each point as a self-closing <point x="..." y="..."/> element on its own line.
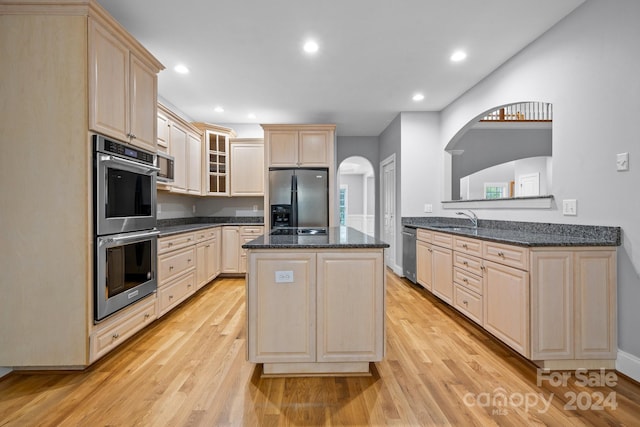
<point x="246" y="56"/>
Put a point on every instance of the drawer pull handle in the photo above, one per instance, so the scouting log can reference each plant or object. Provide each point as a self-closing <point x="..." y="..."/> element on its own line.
<point x="170" y="296"/>
<point x="189" y="260"/>
<point x="189" y="239"/>
<point x="115" y="336"/>
<point x="465" y="280"/>
<point x="464" y="245"/>
<point x="465" y="263"/>
<point x="465" y="302"/>
<point x="170" y="267"/>
<point x="501" y="254"/>
<point x="170" y="243"/>
<point x="147" y="315"/>
<point x="430" y="250"/>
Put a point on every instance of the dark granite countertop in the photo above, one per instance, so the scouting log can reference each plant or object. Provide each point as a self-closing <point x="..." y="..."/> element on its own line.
<point x="168" y="227"/>
<point x="336" y="238"/>
<point x="530" y="234"/>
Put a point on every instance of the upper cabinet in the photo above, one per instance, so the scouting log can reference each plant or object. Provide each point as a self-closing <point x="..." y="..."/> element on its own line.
<point x="299" y="145"/>
<point x="247" y="167"/>
<point x="182" y="141"/>
<point x="123" y="88"/>
<point x="215" y="154"/>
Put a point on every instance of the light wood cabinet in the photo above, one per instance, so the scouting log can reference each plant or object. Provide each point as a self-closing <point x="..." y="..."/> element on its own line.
<point x="506" y="305"/>
<point x="573" y="304"/>
<point x="315" y="311"/>
<point x="207" y="255"/>
<point x="424" y="264"/>
<point x="442" y="265"/>
<point x="184" y="143"/>
<point x="215" y="159"/>
<point x="234" y="257"/>
<point x="48" y="63"/>
<point x="123" y="90"/>
<point x="247" y="167"/>
<point x="434" y="263"/>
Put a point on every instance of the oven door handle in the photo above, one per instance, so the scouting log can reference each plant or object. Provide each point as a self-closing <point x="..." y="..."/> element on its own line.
<point x="118" y="160"/>
<point x="135" y="236"/>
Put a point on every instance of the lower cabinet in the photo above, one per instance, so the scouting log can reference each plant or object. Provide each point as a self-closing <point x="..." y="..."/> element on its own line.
<point x="115" y="330"/>
<point x="315" y="307"/>
<point x="234" y="258"/>
<point x="207" y="256"/>
<point x="555" y="306"/>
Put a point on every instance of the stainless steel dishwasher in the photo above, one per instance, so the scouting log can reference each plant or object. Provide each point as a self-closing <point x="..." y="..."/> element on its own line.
<point x="409" y="253"/>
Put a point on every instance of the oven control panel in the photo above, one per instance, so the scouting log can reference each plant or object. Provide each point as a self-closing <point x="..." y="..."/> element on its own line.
<point x="118" y="148"/>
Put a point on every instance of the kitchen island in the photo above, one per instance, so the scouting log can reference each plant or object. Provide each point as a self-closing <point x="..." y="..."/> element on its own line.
<point x="315" y="302"/>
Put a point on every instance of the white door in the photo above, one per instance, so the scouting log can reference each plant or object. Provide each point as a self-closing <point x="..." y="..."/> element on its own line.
<point x="388" y="208"/>
<point x="529" y="184"/>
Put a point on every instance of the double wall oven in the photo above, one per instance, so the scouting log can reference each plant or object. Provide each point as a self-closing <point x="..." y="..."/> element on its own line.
<point x="125" y="225"/>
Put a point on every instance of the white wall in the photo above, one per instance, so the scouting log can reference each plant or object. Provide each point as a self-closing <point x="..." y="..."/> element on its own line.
<point x="588" y="66"/>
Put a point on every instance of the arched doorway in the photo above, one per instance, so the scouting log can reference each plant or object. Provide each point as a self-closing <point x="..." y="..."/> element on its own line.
<point x="356" y="194"/>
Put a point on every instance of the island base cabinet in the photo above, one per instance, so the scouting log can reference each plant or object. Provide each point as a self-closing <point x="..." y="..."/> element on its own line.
<point x="506" y="305"/>
<point x="281" y="306"/>
<point x="349" y="302"/>
<point x="315" y="312"/>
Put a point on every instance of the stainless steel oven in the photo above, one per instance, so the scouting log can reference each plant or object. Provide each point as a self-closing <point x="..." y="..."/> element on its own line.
<point x="125" y="270"/>
<point x="126" y="239"/>
<point x="125" y="187"/>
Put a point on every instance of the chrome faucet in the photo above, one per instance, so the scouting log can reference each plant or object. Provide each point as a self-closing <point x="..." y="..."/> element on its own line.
<point x="472" y="217"/>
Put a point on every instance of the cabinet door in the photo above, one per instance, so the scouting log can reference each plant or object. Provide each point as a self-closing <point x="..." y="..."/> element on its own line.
<point x="424" y="271"/>
<point x="506" y="305"/>
<point x="552" y="305"/>
<point x="143" y="102"/>
<point x="217" y="252"/>
<point x="247" y="169"/>
<point x="194" y="164"/>
<point x="595" y="304"/>
<point x="163" y="133"/>
<point x="108" y="83"/>
<point x="442" y="262"/>
<point x="201" y="265"/>
<point x="350" y="303"/>
<point x="313" y="148"/>
<point x="230" y="250"/>
<point x="178" y="149"/>
<point x="283" y="148"/>
<point x="281" y="301"/>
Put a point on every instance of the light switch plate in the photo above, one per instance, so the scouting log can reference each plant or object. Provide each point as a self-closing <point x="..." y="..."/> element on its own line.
<point x="569" y="207"/>
<point x="622" y="162"/>
<point x="428" y="207"/>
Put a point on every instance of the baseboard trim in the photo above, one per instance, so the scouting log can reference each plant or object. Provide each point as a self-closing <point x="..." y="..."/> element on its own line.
<point x="628" y="364"/>
<point x="5" y="371"/>
<point x="397" y="270"/>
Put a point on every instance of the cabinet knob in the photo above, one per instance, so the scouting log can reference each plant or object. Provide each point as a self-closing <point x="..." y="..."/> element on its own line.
<point x="465" y="302"/>
<point x="189" y="260"/>
<point x="464" y="245"/>
<point x="133" y="136"/>
<point x="147" y="315"/>
<point x="465" y="263"/>
<point x="115" y="336"/>
<point x="170" y="296"/>
<point x="170" y="267"/>
<point x="501" y="254"/>
<point x="482" y="267"/>
<point x="465" y="280"/>
<point x="430" y="250"/>
<point x="170" y="243"/>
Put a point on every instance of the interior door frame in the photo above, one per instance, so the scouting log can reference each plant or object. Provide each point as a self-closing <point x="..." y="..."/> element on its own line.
<point x="390" y="252"/>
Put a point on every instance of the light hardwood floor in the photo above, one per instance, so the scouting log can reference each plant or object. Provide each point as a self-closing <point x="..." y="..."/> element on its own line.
<point x="190" y="368"/>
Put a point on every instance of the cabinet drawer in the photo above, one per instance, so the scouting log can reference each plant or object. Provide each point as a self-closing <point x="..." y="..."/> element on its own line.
<point x="468" y="263"/>
<point x="251" y="230"/>
<point x="205" y="234"/>
<point x="468" y="303"/>
<point x="443" y="239"/>
<point x="424" y="235"/>
<point x="174" y="293"/>
<point x="175" y="263"/>
<point x="514" y="256"/>
<point x="177" y="241"/>
<point x="467" y="280"/>
<point x="468" y="246"/>
<point x="120" y="326"/>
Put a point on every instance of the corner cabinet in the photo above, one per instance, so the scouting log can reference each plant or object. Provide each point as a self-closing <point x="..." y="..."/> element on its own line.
<point x="305" y="145"/>
<point x="215" y="155"/>
<point x="123" y="89"/>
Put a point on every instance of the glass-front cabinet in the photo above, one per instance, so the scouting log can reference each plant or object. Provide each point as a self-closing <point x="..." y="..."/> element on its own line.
<point x="216" y="159"/>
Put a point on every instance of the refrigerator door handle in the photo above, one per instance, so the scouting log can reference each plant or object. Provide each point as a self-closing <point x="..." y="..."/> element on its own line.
<point x="294" y="200"/>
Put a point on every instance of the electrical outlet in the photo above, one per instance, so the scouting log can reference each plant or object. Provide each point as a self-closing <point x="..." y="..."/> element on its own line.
<point x="193" y="208"/>
<point x="428" y="207"/>
<point x="255" y="208"/>
<point x="284" y="276"/>
<point x="569" y="207"/>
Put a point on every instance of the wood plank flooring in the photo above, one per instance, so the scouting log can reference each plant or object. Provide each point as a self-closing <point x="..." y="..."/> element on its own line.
<point x="189" y="369"/>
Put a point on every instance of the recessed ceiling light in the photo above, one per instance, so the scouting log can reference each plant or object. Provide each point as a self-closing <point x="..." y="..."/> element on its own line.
<point x="311" y="47"/>
<point x="418" y="97"/>
<point x="251" y="116"/>
<point x="182" y="69"/>
<point x="218" y="109"/>
<point x="458" y="56"/>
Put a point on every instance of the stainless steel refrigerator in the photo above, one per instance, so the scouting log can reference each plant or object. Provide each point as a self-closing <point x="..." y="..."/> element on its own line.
<point x="305" y="191"/>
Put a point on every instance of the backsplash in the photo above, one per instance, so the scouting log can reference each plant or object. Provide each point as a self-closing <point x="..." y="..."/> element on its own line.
<point x="211" y="220"/>
<point x="179" y="206"/>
